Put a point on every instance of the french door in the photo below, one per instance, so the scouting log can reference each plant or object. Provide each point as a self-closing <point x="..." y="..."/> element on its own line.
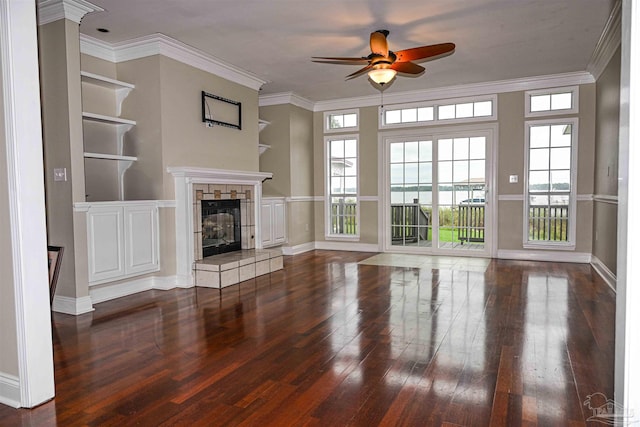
<point x="437" y="197"/>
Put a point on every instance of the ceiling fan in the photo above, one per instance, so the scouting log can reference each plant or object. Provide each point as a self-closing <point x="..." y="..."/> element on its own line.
<point x="383" y="64"/>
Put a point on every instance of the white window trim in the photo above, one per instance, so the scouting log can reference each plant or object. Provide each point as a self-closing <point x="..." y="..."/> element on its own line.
<point x="327" y="190"/>
<point x="570" y="244"/>
<point x="575" y="99"/>
<point x="435" y="104"/>
<point x="328" y="114"/>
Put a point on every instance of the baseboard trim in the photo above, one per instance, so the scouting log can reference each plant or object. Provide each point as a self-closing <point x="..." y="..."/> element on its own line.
<point x="604" y="272"/>
<point x="73" y="306"/>
<point x="164" y="283"/>
<point x="10" y="390"/>
<point x="108" y="292"/>
<point x="347" y="246"/>
<point x="298" y="249"/>
<point x="551" y="256"/>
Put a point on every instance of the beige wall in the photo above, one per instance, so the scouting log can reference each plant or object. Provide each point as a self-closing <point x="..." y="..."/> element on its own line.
<point x="185" y="139"/>
<point x="59" y="47"/>
<point x="8" y="338"/>
<point x="277" y="159"/>
<point x="606" y="163"/>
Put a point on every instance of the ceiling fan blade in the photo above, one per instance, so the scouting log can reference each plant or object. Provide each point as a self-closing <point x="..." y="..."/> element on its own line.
<point x="360" y="71"/>
<point x="407" y="67"/>
<point x="378" y="42"/>
<point x="339" y="60"/>
<point x="424" y="52"/>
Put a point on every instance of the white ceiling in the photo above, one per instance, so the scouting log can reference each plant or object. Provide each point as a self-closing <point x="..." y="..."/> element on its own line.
<point x="275" y="39"/>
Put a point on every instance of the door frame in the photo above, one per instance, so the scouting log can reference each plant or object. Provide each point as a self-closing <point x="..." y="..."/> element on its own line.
<point x="491" y="196"/>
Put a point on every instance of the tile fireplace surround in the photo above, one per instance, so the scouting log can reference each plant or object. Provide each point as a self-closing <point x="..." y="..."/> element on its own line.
<point x="194" y="184"/>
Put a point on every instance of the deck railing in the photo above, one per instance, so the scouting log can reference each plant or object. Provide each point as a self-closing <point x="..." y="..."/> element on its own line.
<point x="471" y="222"/>
<point x="409" y="222"/>
<point x="549" y="223"/>
<point x="343" y="218"/>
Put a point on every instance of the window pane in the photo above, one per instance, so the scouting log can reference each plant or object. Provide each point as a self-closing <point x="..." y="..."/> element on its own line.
<point x="425" y="114"/>
<point x="336" y="121"/>
<point x="409" y="115"/>
<point x="464" y="110"/>
<point x="392" y="117"/>
<point x="538" y="181"/>
<point x="410" y="197"/>
<point x="351" y="167"/>
<point x="350" y="148"/>
<point x="561" y="101"/>
<point x="396" y="152"/>
<point x="477" y="148"/>
<point x="561" y="158"/>
<point x="539" y="200"/>
<point x="351" y="184"/>
<point x="539" y="159"/>
<point x="425" y="151"/>
<point x="411" y="173"/>
<point x="397" y="174"/>
<point x="482" y="109"/>
<point x="425" y="173"/>
<point x="560" y="180"/>
<point x="461" y="148"/>
<point x="445" y="149"/>
<point x="460" y="171"/>
<point x="560" y="135"/>
<point x="477" y="171"/>
<point x="445" y="171"/>
<point x="337" y="185"/>
<point x="538" y="136"/>
<point x="447" y="112"/>
<point x="559" y="200"/>
<point x="337" y="149"/>
<point x="540" y="103"/>
<point x="411" y="151"/>
<point x="350" y="120"/>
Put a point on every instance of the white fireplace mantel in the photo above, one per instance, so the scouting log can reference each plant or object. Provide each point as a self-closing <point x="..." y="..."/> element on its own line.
<point x="185" y="178"/>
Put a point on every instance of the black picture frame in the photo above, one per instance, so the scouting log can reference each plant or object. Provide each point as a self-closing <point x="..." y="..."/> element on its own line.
<point x="55" y="260"/>
<point x="220" y="111"/>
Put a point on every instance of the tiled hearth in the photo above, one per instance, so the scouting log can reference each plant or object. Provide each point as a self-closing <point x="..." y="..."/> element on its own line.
<point x="227" y="269"/>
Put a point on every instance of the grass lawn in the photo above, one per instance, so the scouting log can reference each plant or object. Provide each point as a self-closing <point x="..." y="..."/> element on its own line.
<point x="446" y="235"/>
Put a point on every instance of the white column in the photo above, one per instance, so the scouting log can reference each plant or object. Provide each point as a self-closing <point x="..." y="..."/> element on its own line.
<point x="627" y="369"/>
<point x="23" y="140"/>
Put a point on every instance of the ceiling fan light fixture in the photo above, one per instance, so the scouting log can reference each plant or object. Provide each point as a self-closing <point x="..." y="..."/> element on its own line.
<point x="382" y="76"/>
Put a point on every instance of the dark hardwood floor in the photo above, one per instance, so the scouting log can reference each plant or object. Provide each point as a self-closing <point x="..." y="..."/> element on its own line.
<point x="328" y="342"/>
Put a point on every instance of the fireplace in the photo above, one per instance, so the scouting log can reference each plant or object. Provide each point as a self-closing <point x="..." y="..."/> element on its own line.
<point x="220" y="226"/>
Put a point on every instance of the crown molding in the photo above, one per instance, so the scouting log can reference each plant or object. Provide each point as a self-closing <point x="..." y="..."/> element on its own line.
<point x="285" y="98"/>
<point x="608" y="42"/>
<point x="160" y="44"/>
<point x="94" y="47"/>
<point x="460" y="91"/>
<point x="73" y="10"/>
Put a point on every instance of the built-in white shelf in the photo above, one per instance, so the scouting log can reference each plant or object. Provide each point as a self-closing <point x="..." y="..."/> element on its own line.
<point x="121" y="89"/>
<point x="100" y="118"/>
<point x="103" y="81"/>
<point x="110" y="157"/>
<point x="263" y="147"/>
<point x="262" y="124"/>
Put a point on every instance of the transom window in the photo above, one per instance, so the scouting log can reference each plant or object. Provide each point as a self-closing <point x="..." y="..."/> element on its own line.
<point x="550" y="199"/>
<point x="342" y="186"/>
<point x="336" y="121"/>
<point x="551" y="101"/>
<point x="438" y="112"/>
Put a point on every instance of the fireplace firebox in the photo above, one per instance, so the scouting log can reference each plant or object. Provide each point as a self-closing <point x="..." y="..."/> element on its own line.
<point x="220" y="227"/>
